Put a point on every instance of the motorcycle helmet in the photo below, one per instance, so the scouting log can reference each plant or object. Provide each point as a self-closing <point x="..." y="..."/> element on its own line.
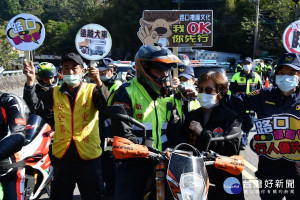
<point x="153" y="56"/>
<point x="46" y="70"/>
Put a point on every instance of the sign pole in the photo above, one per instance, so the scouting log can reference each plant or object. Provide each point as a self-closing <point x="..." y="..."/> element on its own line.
<point x="27" y="56"/>
<point x="93" y="63"/>
<point x="175" y="70"/>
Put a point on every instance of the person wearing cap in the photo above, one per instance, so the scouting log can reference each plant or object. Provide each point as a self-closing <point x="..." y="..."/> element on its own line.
<point x="144" y="98"/>
<point x="76" y="146"/>
<point x="282" y="97"/>
<point x="112" y="83"/>
<point x="107" y="75"/>
<point x="187" y="80"/>
<point x="245" y="82"/>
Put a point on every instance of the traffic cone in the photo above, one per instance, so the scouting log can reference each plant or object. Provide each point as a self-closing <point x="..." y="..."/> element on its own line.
<point x="267" y="84"/>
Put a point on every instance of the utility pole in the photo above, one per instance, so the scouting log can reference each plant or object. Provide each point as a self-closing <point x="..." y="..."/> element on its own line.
<point x="256" y="29"/>
<point x="296" y="9"/>
<point x="178" y="2"/>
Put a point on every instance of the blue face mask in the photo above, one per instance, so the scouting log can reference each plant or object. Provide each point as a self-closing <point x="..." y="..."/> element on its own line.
<point x="72" y="80"/>
<point x="104" y="77"/>
<point x="286" y="83"/>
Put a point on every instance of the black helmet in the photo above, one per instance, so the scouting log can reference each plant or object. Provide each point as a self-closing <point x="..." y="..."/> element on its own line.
<point x="153" y="56"/>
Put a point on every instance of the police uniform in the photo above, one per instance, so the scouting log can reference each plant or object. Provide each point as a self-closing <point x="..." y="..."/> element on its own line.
<point x="245" y="83"/>
<point x="267" y="102"/>
<point x="187" y="103"/>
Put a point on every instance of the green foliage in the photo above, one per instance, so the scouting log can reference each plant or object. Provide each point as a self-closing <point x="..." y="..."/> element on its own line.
<point x="8" y="56"/>
<point x="234" y="22"/>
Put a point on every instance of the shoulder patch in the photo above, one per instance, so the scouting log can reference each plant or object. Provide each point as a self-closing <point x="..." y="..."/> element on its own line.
<point x="255" y="92"/>
<point x="298" y="107"/>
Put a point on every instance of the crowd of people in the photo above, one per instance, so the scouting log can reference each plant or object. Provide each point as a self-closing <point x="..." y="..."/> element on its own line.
<point x="174" y="110"/>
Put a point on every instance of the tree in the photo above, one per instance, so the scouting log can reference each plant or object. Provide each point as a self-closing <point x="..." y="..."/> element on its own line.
<point x="8" y="56"/>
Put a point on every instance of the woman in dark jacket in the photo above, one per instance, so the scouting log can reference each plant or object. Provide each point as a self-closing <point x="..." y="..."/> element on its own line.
<point x="215" y="119"/>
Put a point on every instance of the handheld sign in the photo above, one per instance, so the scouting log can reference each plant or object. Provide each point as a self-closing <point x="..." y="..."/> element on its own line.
<point x="277" y="136"/>
<point x="291" y="37"/>
<point x="25" y="32"/>
<point x="93" y="42"/>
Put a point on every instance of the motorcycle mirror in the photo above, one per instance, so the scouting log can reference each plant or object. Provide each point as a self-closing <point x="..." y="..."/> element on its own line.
<point x="119" y="113"/>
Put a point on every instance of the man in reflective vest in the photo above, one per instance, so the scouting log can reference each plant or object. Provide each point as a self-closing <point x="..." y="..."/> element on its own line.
<point x="143" y="99"/>
<point x="76" y="145"/>
<point x="245" y="82"/>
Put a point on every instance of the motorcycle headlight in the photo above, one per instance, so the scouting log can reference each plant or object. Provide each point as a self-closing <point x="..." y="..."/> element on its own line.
<point x="192" y="186"/>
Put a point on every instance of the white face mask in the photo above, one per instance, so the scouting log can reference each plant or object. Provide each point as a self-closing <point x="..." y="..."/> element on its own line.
<point x="187" y="84"/>
<point x="287" y="83"/>
<point x="207" y="100"/>
<point x="72" y="80"/>
<point x="247" y="67"/>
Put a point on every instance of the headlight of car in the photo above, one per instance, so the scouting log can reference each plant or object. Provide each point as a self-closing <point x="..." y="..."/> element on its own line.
<point x="192" y="186"/>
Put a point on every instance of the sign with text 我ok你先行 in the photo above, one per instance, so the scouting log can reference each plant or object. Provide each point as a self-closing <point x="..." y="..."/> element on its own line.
<point x="177" y="28"/>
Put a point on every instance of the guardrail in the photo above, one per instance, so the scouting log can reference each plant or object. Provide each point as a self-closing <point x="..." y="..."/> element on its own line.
<point x="11" y="73"/>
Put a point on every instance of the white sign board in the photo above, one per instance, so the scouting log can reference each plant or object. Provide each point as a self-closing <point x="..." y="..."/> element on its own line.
<point x="291" y="37"/>
<point x="25" y="32"/>
<point x="93" y="42"/>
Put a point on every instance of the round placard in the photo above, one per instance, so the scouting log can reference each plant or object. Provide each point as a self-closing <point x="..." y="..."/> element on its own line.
<point x="25" y="32"/>
<point x="93" y="42"/>
<point x="291" y="37"/>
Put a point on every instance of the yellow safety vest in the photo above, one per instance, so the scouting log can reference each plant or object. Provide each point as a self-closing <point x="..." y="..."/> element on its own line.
<point x="153" y="114"/>
<point x="79" y="124"/>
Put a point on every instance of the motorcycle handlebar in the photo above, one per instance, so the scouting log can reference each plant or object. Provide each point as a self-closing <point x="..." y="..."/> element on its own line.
<point x="224" y="138"/>
<point x="119" y="113"/>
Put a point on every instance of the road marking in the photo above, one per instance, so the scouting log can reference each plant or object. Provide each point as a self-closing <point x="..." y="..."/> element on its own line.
<point x="250" y="166"/>
<point x="251" y="178"/>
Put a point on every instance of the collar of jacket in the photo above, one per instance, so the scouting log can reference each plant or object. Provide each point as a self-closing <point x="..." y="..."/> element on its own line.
<point x="250" y="75"/>
<point x="64" y="89"/>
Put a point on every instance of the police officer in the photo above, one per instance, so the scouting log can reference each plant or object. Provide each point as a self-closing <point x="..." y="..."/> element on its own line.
<point x="143" y="99"/>
<point x="284" y="97"/>
<point x="187" y="80"/>
<point x="13" y="117"/>
<point x="238" y="68"/>
<point x="245" y="82"/>
<point x="112" y="83"/>
<point x="268" y="69"/>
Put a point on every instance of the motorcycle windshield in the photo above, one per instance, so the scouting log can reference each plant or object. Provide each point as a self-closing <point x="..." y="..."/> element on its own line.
<point x="187" y="177"/>
<point x="33" y="127"/>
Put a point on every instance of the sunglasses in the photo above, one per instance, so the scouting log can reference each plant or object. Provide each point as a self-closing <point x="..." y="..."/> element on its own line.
<point x="207" y="90"/>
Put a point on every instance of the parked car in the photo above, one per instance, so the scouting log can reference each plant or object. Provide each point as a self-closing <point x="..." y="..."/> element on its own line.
<point x="184" y="58"/>
<point x="125" y="70"/>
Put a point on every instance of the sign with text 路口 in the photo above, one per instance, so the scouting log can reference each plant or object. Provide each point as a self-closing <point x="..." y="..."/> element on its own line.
<point x="177" y="28"/>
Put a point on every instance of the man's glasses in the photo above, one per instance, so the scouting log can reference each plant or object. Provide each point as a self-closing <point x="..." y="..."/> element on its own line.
<point x="207" y="90"/>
